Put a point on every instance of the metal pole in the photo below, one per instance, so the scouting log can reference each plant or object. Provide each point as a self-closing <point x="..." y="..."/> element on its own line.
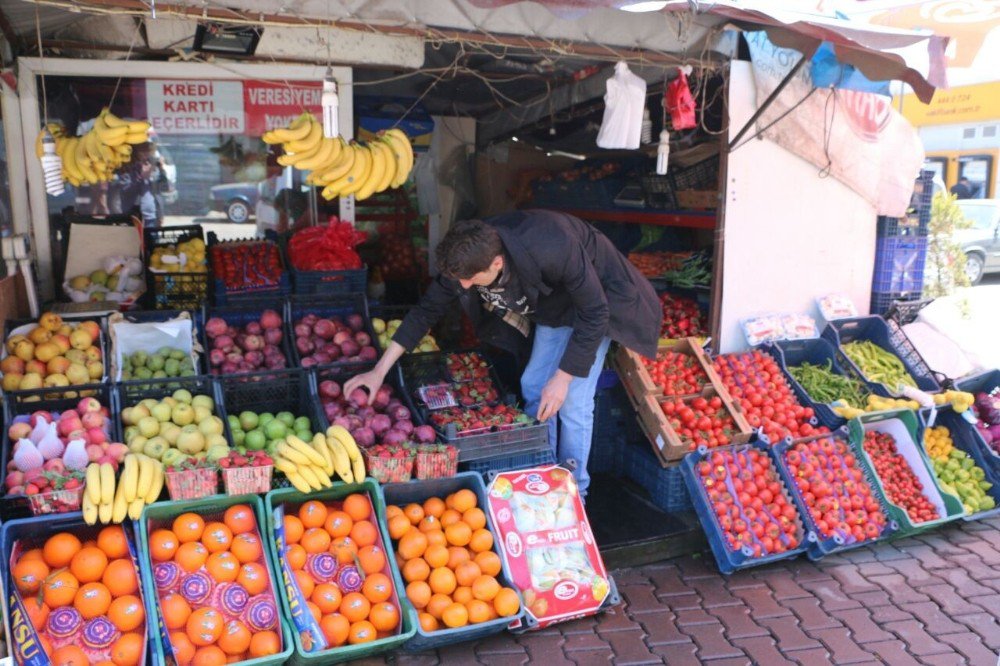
<point x="770" y="100"/>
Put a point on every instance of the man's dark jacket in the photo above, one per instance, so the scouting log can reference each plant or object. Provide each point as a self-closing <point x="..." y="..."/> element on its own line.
<point x="572" y="276"/>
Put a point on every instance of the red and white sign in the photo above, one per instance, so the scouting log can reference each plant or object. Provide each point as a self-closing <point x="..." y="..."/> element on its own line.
<point x="270" y="105"/>
<point x="195" y="107"/>
<point x="550" y="549"/>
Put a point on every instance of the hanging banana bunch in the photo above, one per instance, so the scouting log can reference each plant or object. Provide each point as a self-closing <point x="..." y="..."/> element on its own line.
<point x="343" y="168"/>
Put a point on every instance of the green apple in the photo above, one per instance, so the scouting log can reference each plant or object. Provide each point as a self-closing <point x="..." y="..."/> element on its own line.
<point x="191" y="441"/>
<point x="172" y="457"/>
<point x="170" y="432"/>
<point x="249" y="420"/>
<point x="130" y="433"/>
<point x="265" y="418"/>
<point x="301" y="423"/>
<point x="201" y="413"/>
<point x="238" y="436"/>
<point x="203" y="401"/>
<point x="149" y="426"/>
<point x="304" y="435"/>
<point x="234" y="423"/>
<point x="286" y="417"/>
<point x="255" y="440"/>
<point x="183" y="395"/>
<point x="275" y="429"/>
<point x="156" y="447"/>
<point x="211" y="426"/>
<point x="136" y="444"/>
<point x="161" y="412"/>
<point x="182" y="414"/>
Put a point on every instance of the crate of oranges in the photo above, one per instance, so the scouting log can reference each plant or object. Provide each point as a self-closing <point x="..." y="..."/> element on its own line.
<point x="342" y="591"/>
<point x="76" y="594"/>
<point x="208" y="580"/>
<point x="455" y="576"/>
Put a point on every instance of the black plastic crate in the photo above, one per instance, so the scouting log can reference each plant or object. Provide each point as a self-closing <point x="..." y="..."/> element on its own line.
<point x="239" y="315"/>
<point x="325" y="306"/>
<point x="429" y="369"/>
<point x="701" y="176"/>
<point x="916" y="222"/>
<point x="224" y="296"/>
<point x="528" y="460"/>
<point x="900" y="307"/>
<point x="174" y="291"/>
<point x="131" y="393"/>
<point x="276" y="391"/>
<point x="342" y="373"/>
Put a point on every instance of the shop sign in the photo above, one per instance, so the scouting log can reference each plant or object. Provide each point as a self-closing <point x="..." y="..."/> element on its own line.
<point x="195" y="107"/>
<point x="276" y="104"/>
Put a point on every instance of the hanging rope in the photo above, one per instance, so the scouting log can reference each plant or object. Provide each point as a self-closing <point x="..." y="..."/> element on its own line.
<point x="41" y="67"/>
<point x="128" y="56"/>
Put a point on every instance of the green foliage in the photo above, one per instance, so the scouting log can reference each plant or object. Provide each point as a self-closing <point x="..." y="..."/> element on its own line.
<point x="944" y="272"/>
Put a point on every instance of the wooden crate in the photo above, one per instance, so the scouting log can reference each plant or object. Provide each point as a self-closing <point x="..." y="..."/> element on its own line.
<point x="696" y="199"/>
<point x="636" y="378"/>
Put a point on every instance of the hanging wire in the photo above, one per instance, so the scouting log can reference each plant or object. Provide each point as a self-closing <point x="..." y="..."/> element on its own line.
<point x="831" y="111"/>
<point x="41" y="67"/>
<point x="128" y="56"/>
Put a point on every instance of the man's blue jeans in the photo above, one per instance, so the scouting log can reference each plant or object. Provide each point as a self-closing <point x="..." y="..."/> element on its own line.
<point x="576" y="416"/>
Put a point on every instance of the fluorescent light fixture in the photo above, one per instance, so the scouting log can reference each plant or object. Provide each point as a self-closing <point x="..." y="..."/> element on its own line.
<point x="514" y="139"/>
<point x="561" y="153"/>
<point x="644" y="6"/>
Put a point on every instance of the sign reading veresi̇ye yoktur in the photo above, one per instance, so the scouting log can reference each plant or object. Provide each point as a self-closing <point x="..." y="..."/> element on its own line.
<point x="276" y="104"/>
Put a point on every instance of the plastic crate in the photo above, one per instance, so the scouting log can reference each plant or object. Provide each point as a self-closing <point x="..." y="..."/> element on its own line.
<point x="508" y="463"/>
<point x="816" y="351"/>
<point x="916" y="223"/>
<point x="615" y="427"/>
<point x="886" y="335"/>
<point x="983" y="382"/>
<point x="963" y="436"/>
<point x="728" y="560"/>
<point x="286" y="390"/>
<point x="174" y="291"/>
<point x="900" y="307"/>
<point x="326" y="305"/>
<point x="665" y="485"/>
<point x="240" y="315"/>
<point x="35" y="530"/>
<point x="17" y="506"/>
<point x="701" y="176"/>
<point x="209" y="507"/>
<point x="906" y="429"/>
<point x="408" y="616"/>
<point x="157" y="316"/>
<point x="899" y="265"/>
<point x="402" y="494"/>
<point x="223" y="296"/>
<point x="342" y="373"/>
<point x="307" y="283"/>
<point x="582" y="193"/>
<point x="818" y="546"/>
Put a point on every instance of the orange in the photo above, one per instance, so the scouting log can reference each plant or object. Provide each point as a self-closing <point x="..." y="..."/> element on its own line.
<point x="457" y="556"/>
<point x="327" y="597"/>
<point x="392" y="511"/>
<point x="314" y="611"/>
<point x="239" y="518"/>
<point x="384" y="616"/>
<point x="29" y="575"/>
<point x="306" y="583"/>
<point x="364" y="533"/>
<point x="345" y="549"/>
<point x="59" y="589"/>
<point x="474" y="518"/>
<point x="235" y="638"/>
<point x="458" y="534"/>
<point x="127" y="613"/>
<point x="247" y="547"/>
<point x="437" y="604"/>
<point x="264" y="643"/>
<point x="481" y="541"/>
<point x="91" y="600"/>
<point x="175" y="610"/>
<point x="506" y="603"/>
<point x="463" y="500"/>
<point x="88" y="564"/>
<point x="463" y="595"/>
<point x="296" y="556"/>
<point x="428" y="622"/>
<point x="429" y="524"/>
<point x="208" y="655"/>
<point x="184" y="649"/>
<point x="485" y="588"/>
<point x="216" y="537"/>
<point x="127" y="650"/>
<point x="467" y="573"/>
<point x="436" y="538"/>
<point x="398" y="526"/>
<point x="434" y="506"/>
<point x="377" y="587"/>
<point x="414" y="512"/>
<point x="293" y="529"/>
<point x="38" y="612"/>
<point x="205" y="626"/>
<point x="372" y="558"/>
<point x="312" y="514"/>
<point x="357" y="506"/>
<point x="450" y="517"/>
<point x="315" y="540"/>
<point x="436" y="556"/>
<point x="338" y="524"/>
<point x="253" y="578"/>
<point x="33" y="554"/>
<point x="416" y="569"/>
<point x="59" y="549"/>
<point x="120" y="578"/>
<point x="112" y="541"/>
<point x="355" y="607"/>
<point x="419" y="594"/>
<point x="223" y="567"/>
<point x="489" y="562"/>
<point x="163" y="545"/>
<point x="455" y="615"/>
<point x="335" y="628"/>
<point x="188" y="527"/>
<point x="442" y="580"/>
<point x="479" y="611"/>
<point x="70" y="655"/>
<point x="191" y="556"/>
<point x="361" y="632"/>
<point x="413" y="544"/>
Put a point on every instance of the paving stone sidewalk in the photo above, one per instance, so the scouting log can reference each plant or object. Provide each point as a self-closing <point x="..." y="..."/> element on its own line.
<point x="932" y="599"/>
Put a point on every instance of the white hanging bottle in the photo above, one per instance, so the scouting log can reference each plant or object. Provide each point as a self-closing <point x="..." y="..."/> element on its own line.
<point x="647" y="128"/>
<point x="663" y="153"/>
<point x="51" y="165"/>
<point x="330" y="102"/>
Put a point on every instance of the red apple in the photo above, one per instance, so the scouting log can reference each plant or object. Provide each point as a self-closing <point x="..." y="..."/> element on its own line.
<point x="88" y="405"/>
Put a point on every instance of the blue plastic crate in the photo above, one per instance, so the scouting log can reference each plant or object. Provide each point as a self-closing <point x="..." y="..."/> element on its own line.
<point x="963" y="436"/>
<point x="508" y="463"/>
<point x="886" y="335"/>
<point x="239" y="315"/>
<point x="665" y="485"/>
<point x="402" y="494"/>
<point x="330" y="282"/>
<point x="899" y="265"/>
<point x="728" y="560"/>
<point x="818" y="546"/>
<point x="327" y="305"/>
<point x="615" y="426"/>
<point x="223" y="296"/>
<point x="582" y="193"/>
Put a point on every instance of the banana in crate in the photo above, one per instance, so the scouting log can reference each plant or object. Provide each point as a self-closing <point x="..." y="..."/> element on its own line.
<point x="95" y="156"/>
<point x="314" y="465"/>
<point x="340" y="167"/>
<point x="106" y="500"/>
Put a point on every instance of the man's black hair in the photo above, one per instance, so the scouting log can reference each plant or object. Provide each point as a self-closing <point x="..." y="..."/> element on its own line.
<point x="469" y="247"/>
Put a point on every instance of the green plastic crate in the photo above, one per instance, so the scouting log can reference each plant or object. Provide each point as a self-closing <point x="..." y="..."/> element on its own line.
<point x="904" y="427"/>
<point x="408" y="616"/>
<point x="205" y="507"/>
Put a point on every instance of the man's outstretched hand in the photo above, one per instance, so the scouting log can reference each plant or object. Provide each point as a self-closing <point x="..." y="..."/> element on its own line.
<point x="371" y="380"/>
<point x="554" y="395"/>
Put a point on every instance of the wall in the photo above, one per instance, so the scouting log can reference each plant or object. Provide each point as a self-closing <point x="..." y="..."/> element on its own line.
<point x="791" y="236"/>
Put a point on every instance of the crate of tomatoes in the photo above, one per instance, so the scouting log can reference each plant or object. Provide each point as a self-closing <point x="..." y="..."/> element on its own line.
<point x="247" y="268"/>
<point x="680" y="368"/>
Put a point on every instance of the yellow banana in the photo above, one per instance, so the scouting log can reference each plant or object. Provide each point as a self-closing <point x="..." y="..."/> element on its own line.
<point x="308" y="473"/>
<point x="130" y="477"/>
<point x="324" y="478"/>
<point x="135" y="508"/>
<point x="309" y="452"/>
<point x="375" y="174"/>
<point x="107" y="483"/>
<point x="136" y="138"/>
<point x="89" y="510"/>
<point x="309" y="141"/>
<point x="319" y="443"/>
<point x="300" y="484"/>
<point x="94" y="483"/>
<point x="297" y="131"/>
<point x="392" y="166"/>
<point x="111" y="136"/>
<point x="136" y="126"/>
<point x="124" y="150"/>
<point x="147" y="470"/>
<point x="156" y="485"/>
<point x="328" y="149"/>
<point x="105" y="512"/>
<point x="341" y="461"/>
<point x="336" y="168"/>
<point x="69" y="159"/>
<point x="294" y="159"/>
<point x="359" y="182"/>
<point x="285" y="466"/>
<point x="288" y="453"/>
<point x="119" y="508"/>
<point x="113" y="121"/>
<point x="269" y="138"/>
<point x="353" y="178"/>
<point x="404" y="154"/>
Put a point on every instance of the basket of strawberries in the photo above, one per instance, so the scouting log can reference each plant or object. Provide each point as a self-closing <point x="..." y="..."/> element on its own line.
<point x="389" y="463"/>
<point x="191" y="478"/>
<point x="57" y="493"/>
<point x="436" y="461"/>
<point x="248" y="474"/>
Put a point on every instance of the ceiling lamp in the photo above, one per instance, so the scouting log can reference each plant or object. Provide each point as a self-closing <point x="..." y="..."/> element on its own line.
<point x="226" y="40"/>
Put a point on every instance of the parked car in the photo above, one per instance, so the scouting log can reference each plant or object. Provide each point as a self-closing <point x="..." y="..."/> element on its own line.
<point x="981" y="241"/>
<point x="236" y="200"/>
